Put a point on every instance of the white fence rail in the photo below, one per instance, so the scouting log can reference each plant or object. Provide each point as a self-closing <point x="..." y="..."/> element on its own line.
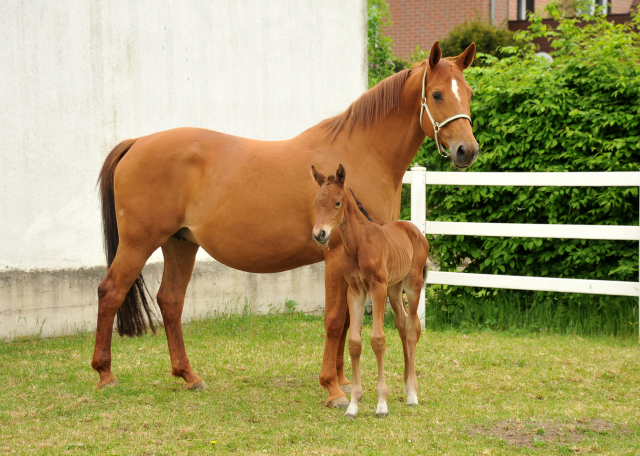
<point x="419" y="178"/>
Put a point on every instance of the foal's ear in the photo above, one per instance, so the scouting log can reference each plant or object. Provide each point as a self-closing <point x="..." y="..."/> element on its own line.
<point x="435" y="55"/>
<point x="341" y="174"/>
<point x="319" y="178"/>
<point x="465" y="59"/>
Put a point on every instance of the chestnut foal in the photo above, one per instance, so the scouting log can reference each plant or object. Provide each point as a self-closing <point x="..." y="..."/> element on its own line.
<point x="379" y="261"/>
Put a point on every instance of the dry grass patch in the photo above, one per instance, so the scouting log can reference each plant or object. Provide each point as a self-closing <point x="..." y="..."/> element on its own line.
<point x="535" y="434"/>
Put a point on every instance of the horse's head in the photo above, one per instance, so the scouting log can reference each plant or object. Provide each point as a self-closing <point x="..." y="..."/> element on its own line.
<point x="329" y="203"/>
<point x="446" y="100"/>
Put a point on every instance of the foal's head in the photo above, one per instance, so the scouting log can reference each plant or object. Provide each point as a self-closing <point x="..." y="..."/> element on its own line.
<point x="329" y="203"/>
<point x="447" y="94"/>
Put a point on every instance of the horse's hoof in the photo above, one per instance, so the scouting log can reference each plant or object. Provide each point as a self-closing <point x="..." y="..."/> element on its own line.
<point x="349" y="415"/>
<point x="339" y="402"/>
<point x="382" y="415"/>
<point x="412" y="404"/>
<point x="346" y="389"/>
<point x="110" y="384"/>
<point x="197" y="386"/>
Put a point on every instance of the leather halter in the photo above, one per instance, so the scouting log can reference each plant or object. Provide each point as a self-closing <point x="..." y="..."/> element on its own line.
<point x="436" y="125"/>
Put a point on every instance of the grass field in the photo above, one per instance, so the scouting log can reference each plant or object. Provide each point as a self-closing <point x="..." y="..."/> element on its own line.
<point x="481" y="393"/>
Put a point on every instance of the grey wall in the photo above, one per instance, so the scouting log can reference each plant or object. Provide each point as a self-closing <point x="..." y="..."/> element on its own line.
<point x="78" y="77"/>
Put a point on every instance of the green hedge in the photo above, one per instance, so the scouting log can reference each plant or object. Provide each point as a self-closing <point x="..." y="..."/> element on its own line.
<point x="579" y="113"/>
<point x="488" y="38"/>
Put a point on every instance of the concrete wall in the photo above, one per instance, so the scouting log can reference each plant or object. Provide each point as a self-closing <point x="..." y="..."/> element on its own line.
<point x="78" y="77"/>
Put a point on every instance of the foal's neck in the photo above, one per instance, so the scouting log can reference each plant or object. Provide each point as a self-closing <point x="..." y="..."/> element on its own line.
<point x="352" y="225"/>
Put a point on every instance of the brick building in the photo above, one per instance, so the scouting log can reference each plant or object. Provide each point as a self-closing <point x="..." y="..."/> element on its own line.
<point x="421" y="22"/>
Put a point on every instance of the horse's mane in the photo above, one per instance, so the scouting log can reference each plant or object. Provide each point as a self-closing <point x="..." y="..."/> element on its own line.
<point x="374" y="104"/>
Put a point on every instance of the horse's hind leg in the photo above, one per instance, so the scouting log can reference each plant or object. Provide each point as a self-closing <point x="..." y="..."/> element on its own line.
<point x="412" y="286"/>
<point x="125" y="269"/>
<point x="400" y="310"/>
<point x="179" y="259"/>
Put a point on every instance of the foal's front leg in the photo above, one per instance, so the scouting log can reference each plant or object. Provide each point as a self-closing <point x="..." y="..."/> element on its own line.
<point x="356" y="299"/>
<point x="378" y="293"/>
<point x="413" y="284"/>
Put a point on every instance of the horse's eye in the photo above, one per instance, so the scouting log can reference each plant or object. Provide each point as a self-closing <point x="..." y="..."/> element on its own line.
<point x="437" y="96"/>
<point x="338" y="204"/>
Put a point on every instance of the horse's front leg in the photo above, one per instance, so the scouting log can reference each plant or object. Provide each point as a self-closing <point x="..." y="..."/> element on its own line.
<point x="378" y="293"/>
<point x="335" y="314"/>
<point x="356" y="299"/>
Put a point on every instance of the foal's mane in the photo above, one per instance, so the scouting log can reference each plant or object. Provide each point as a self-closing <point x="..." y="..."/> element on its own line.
<point x="373" y="105"/>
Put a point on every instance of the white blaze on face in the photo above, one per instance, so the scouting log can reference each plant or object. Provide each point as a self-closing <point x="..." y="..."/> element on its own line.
<point x="454" y="88"/>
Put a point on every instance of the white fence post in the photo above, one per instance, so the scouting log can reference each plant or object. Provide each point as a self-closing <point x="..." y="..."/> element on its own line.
<point x="419" y="218"/>
<point x="417" y="177"/>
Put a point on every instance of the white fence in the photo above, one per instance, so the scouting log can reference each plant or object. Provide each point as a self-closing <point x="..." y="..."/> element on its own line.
<point x="419" y="178"/>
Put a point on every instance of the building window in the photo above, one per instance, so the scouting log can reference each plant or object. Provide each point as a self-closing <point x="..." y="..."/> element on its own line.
<point x="524" y="7"/>
<point x="591" y="9"/>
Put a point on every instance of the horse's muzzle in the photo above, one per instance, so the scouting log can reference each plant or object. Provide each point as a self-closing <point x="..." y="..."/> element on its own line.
<point x="463" y="154"/>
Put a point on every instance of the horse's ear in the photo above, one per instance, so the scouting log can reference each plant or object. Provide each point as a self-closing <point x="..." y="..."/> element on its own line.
<point x="319" y="178"/>
<point x="465" y="59"/>
<point x="341" y="174"/>
<point x="435" y="55"/>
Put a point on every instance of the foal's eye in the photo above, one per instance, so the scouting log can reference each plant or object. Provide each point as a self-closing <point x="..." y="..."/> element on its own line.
<point x="437" y="96"/>
<point x="338" y="204"/>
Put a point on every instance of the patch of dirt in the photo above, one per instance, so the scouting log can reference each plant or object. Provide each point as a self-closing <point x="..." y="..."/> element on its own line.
<point x="530" y="433"/>
<point x="287" y="382"/>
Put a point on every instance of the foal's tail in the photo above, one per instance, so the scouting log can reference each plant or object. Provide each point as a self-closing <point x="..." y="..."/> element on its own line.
<point x="131" y="315"/>
<point x="425" y="272"/>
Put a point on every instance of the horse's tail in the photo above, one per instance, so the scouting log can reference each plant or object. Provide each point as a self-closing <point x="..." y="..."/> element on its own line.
<point x="131" y="314"/>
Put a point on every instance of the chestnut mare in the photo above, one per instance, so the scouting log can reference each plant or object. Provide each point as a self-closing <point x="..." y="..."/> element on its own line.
<point x="378" y="261"/>
<point x="249" y="203"/>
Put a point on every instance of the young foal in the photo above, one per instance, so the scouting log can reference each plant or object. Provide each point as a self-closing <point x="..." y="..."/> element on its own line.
<point x="379" y="261"/>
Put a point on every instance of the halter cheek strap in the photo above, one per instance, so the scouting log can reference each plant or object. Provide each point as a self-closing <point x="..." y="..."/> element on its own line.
<point x="437" y="126"/>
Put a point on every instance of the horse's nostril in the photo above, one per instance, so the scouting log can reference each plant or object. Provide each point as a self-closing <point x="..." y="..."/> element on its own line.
<point x="321" y="235"/>
<point x="460" y="153"/>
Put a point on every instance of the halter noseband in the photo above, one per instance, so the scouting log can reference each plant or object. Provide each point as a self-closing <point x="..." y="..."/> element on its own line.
<point x="436" y="125"/>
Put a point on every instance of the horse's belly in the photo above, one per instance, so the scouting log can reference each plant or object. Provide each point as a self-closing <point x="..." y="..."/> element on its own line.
<point x="251" y="248"/>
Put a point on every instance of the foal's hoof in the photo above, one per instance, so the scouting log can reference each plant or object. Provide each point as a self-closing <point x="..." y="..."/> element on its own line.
<point x="412" y="404"/>
<point x="197" y="386"/>
<point x="339" y="402"/>
<point x="346" y="389"/>
<point x="382" y="415"/>
<point x="350" y="415"/>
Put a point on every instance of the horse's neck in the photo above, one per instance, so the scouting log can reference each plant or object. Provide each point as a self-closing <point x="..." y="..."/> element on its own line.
<point x="352" y="225"/>
<point x="392" y="143"/>
<point x="388" y="146"/>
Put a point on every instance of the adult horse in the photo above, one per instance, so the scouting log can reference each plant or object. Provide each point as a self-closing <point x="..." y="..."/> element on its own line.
<point x="249" y="203"/>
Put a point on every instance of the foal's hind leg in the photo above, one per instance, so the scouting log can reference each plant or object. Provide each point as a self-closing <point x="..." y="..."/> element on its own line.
<point x="413" y="286"/>
<point x="125" y="269"/>
<point x="397" y="304"/>
<point x="179" y="259"/>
